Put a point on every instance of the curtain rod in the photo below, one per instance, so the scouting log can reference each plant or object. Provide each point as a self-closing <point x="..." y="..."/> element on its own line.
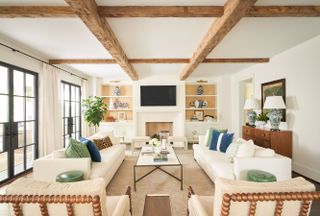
<point x="35" y="58"/>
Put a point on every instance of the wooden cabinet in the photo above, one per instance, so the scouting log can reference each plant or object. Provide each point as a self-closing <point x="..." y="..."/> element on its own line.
<point x="279" y="141"/>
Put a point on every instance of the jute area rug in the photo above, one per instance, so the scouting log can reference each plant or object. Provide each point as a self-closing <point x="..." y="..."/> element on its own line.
<point x="161" y="183"/>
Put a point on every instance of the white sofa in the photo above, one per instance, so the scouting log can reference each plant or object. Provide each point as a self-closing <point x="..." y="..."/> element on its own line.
<point x="217" y="164"/>
<point x="48" y="167"/>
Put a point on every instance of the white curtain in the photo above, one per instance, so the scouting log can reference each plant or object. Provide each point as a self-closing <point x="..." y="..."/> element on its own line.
<point x="50" y="111"/>
<point x="85" y="129"/>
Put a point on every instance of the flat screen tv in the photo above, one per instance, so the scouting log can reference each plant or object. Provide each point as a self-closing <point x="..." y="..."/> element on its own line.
<point x="163" y="95"/>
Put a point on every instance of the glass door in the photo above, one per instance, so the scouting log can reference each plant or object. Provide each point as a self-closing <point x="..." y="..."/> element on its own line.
<point x="18" y="120"/>
<point x="71" y="106"/>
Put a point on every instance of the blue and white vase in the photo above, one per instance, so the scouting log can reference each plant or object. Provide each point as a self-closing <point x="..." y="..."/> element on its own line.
<point x="200" y="90"/>
<point x="116" y="91"/>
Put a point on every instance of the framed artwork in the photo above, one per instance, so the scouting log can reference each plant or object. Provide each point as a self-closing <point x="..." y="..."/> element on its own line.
<point x="121" y="116"/>
<point x="199" y="114"/>
<point x="274" y="88"/>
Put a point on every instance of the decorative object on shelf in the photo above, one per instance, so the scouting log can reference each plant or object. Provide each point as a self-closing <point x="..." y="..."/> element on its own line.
<point x="116" y="91"/>
<point x="274" y="88"/>
<point x="121" y="116"/>
<point x="251" y="104"/>
<point x="200" y="90"/>
<point x="120" y="105"/>
<point x="262" y="119"/>
<point x="194" y="118"/>
<point x="191" y="104"/>
<point x="204" y="104"/>
<point x="209" y="118"/>
<point x="196" y="103"/>
<point x="111" y="104"/>
<point x="199" y="115"/>
<point x="275" y="103"/>
<point x="94" y="109"/>
<point x="110" y="119"/>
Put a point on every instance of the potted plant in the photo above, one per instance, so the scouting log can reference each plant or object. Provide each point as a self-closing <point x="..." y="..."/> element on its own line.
<point x="262" y="119"/>
<point x="94" y="109"/>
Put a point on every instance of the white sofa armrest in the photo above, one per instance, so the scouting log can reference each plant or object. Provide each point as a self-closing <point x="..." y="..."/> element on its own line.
<point x="123" y="206"/>
<point x="202" y="140"/>
<point x="195" y="207"/>
<point x="278" y="165"/>
<point x="46" y="169"/>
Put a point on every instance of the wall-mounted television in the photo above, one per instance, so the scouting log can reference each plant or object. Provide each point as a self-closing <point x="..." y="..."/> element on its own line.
<point x="154" y="95"/>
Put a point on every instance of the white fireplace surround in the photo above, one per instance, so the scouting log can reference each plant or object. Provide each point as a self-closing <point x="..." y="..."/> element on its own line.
<point x="176" y="117"/>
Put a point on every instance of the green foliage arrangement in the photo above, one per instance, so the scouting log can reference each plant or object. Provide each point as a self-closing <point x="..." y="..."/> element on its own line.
<point x="94" y="109"/>
<point x="262" y="117"/>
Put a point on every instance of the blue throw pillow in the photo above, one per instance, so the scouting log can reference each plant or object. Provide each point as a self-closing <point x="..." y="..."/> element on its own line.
<point x="93" y="149"/>
<point x="221" y="141"/>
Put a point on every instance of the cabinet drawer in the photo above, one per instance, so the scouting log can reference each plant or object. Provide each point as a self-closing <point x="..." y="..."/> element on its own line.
<point x="262" y="134"/>
<point x="262" y="143"/>
<point x="248" y="131"/>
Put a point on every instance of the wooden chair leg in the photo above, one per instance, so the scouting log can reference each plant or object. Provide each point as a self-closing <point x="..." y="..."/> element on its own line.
<point x="129" y="194"/>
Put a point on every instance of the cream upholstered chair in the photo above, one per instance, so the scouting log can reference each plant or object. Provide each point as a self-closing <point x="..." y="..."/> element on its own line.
<point x="237" y="198"/>
<point x="30" y="197"/>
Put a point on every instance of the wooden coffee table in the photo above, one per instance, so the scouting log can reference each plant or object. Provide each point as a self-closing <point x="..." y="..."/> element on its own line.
<point x="146" y="160"/>
<point x="157" y="205"/>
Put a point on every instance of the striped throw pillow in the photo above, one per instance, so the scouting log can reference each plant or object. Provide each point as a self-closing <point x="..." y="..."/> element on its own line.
<point x="77" y="149"/>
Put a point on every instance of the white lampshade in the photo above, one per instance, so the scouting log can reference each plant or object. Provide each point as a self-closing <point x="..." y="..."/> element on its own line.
<point x="274" y="102"/>
<point x="251" y="103"/>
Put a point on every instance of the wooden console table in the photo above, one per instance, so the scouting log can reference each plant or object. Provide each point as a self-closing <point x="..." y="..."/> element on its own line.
<point x="279" y="141"/>
<point x="157" y="205"/>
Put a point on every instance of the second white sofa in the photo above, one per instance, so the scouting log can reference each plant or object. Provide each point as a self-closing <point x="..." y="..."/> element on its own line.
<point x="48" y="167"/>
<point x="217" y="164"/>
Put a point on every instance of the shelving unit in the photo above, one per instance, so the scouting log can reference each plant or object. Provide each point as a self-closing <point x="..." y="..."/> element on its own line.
<point x="209" y="95"/>
<point x="109" y="97"/>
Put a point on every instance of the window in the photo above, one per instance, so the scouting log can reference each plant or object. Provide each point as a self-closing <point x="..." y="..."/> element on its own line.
<point x="71" y="111"/>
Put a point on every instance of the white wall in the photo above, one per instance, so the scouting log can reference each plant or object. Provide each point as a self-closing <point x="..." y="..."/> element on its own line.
<point x="300" y="66"/>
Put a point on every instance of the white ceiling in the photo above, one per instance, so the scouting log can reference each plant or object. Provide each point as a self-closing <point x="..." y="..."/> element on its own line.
<point x="159" y="37"/>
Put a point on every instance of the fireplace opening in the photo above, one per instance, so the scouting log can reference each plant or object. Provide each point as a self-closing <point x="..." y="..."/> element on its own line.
<point x="153" y="128"/>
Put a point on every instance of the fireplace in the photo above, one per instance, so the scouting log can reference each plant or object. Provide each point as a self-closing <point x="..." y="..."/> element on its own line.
<point x="153" y="128"/>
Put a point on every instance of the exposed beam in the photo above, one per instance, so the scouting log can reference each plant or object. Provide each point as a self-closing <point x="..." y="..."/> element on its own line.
<point x="234" y="10"/>
<point x="159" y="61"/>
<point x="88" y="12"/>
<point x="159" y="11"/>
<point x="36" y="11"/>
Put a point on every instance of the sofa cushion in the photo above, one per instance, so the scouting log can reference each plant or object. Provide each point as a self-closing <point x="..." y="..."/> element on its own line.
<point x="264" y="152"/>
<point x="246" y="149"/>
<point x="209" y="132"/>
<point x="93" y="149"/>
<point x="221" y="141"/>
<point x="76" y="149"/>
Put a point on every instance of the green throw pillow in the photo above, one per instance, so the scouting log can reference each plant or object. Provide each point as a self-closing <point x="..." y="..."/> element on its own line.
<point x="211" y="132"/>
<point x="77" y="149"/>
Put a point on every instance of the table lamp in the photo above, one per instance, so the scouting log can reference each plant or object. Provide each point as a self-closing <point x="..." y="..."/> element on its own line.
<point x="251" y="104"/>
<point x="275" y="103"/>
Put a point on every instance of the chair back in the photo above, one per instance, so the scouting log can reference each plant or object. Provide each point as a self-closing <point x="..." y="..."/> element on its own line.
<point x="29" y="197"/>
<point x="291" y="197"/>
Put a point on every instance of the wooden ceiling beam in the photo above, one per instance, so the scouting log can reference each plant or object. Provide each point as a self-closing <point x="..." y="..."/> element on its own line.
<point x="159" y="11"/>
<point x="234" y="10"/>
<point x="159" y="61"/>
<point x="88" y="12"/>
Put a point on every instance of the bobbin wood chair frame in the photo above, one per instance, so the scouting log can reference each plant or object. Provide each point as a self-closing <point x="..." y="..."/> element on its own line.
<point x="68" y="200"/>
<point x="279" y="197"/>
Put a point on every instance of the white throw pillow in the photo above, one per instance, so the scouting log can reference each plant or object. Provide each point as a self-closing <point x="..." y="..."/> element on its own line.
<point x="206" y="137"/>
<point x="246" y="149"/>
<point x="264" y="152"/>
<point x="233" y="148"/>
